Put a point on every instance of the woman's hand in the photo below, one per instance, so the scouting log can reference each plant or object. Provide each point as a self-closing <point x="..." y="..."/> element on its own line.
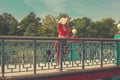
<point x="63" y="36"/>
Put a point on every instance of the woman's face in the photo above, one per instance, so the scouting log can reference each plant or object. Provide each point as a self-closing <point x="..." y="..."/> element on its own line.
<point x="63" y="25"/>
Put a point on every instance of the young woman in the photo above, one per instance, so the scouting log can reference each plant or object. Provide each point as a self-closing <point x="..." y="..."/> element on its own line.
<point x="63" y="32"/>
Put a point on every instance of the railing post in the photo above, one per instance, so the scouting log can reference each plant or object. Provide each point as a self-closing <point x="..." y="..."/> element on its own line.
<point x="34" y="56"/>
<point x="83" y="57"/>
<point x="2" y="58"/>
<point x="117" y="53"/>
<point x="61" y="49"/>
<point x="101" y="55"/>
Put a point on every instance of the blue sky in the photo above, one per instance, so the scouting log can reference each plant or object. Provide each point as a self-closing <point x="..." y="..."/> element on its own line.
<point x="93" y="9"/>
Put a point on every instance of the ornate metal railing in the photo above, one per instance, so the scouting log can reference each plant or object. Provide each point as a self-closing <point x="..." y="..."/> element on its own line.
<point x="22" y="54"/>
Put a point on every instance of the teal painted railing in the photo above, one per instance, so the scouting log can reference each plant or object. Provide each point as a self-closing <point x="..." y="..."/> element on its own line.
<point x="22" y="54"/>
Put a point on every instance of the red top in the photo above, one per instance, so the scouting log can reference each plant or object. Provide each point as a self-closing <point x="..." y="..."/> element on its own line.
<point x="74" y="37"/>
<point x="118" y="32"/>
<point x="75" y="41"/>
<point x="61" y="32"/>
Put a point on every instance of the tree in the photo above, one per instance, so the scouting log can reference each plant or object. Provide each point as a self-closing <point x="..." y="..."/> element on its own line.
<point x="104" y="28"/>
<point x="28" y="24"/>
<point x="31" y="30"/>
<point x="48" y="28"/>
<point x="8" y="24"/>
<point x="83" y="26"/>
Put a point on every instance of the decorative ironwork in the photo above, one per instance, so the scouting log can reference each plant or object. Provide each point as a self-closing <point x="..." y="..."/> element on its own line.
<point x="23" y="55"/>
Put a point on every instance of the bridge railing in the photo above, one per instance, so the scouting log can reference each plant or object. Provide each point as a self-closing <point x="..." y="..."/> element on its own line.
<point x="24" y="54"/>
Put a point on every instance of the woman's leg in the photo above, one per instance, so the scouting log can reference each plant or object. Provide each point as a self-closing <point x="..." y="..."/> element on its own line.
<point x="57" y="57"/>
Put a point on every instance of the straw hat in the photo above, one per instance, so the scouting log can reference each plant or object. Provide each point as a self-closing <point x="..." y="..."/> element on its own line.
<point x="63" y="20"/>
<point x="74" y="31"/>
<point x="118" y="26"/>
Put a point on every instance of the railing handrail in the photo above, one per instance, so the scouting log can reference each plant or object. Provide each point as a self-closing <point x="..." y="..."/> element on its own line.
<point x="55" y="38"/>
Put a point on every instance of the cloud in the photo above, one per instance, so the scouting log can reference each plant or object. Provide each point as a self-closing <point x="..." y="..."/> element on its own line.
<point x="91" y="8"/>
<point x="56" y="6"/>
<point x="31" y="4"/>
<point x="45" y="6"/>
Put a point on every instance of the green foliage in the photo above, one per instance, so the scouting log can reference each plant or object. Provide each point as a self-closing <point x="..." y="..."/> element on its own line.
<point x="31" y="25"/>
<point x="31" y="30"/>
<point x="49" y="27"/>
<point x="104" y="28"/>
<point x="87" y="28"/>
<point x="8" y="24"/>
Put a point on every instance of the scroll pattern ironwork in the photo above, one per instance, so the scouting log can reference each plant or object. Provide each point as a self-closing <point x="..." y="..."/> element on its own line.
<point x="19" y="54"/>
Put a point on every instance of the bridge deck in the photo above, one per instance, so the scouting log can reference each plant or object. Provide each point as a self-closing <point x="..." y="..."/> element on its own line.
<point x="56" y="71"/>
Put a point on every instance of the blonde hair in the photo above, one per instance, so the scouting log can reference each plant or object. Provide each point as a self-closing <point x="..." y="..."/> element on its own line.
<point x="64" y="20"/>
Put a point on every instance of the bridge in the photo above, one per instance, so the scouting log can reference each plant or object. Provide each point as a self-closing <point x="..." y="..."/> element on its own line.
<point x="26" y="57"/>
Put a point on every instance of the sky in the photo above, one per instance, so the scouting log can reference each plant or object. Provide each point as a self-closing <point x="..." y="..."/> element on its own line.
<point x="93" y="9"/>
